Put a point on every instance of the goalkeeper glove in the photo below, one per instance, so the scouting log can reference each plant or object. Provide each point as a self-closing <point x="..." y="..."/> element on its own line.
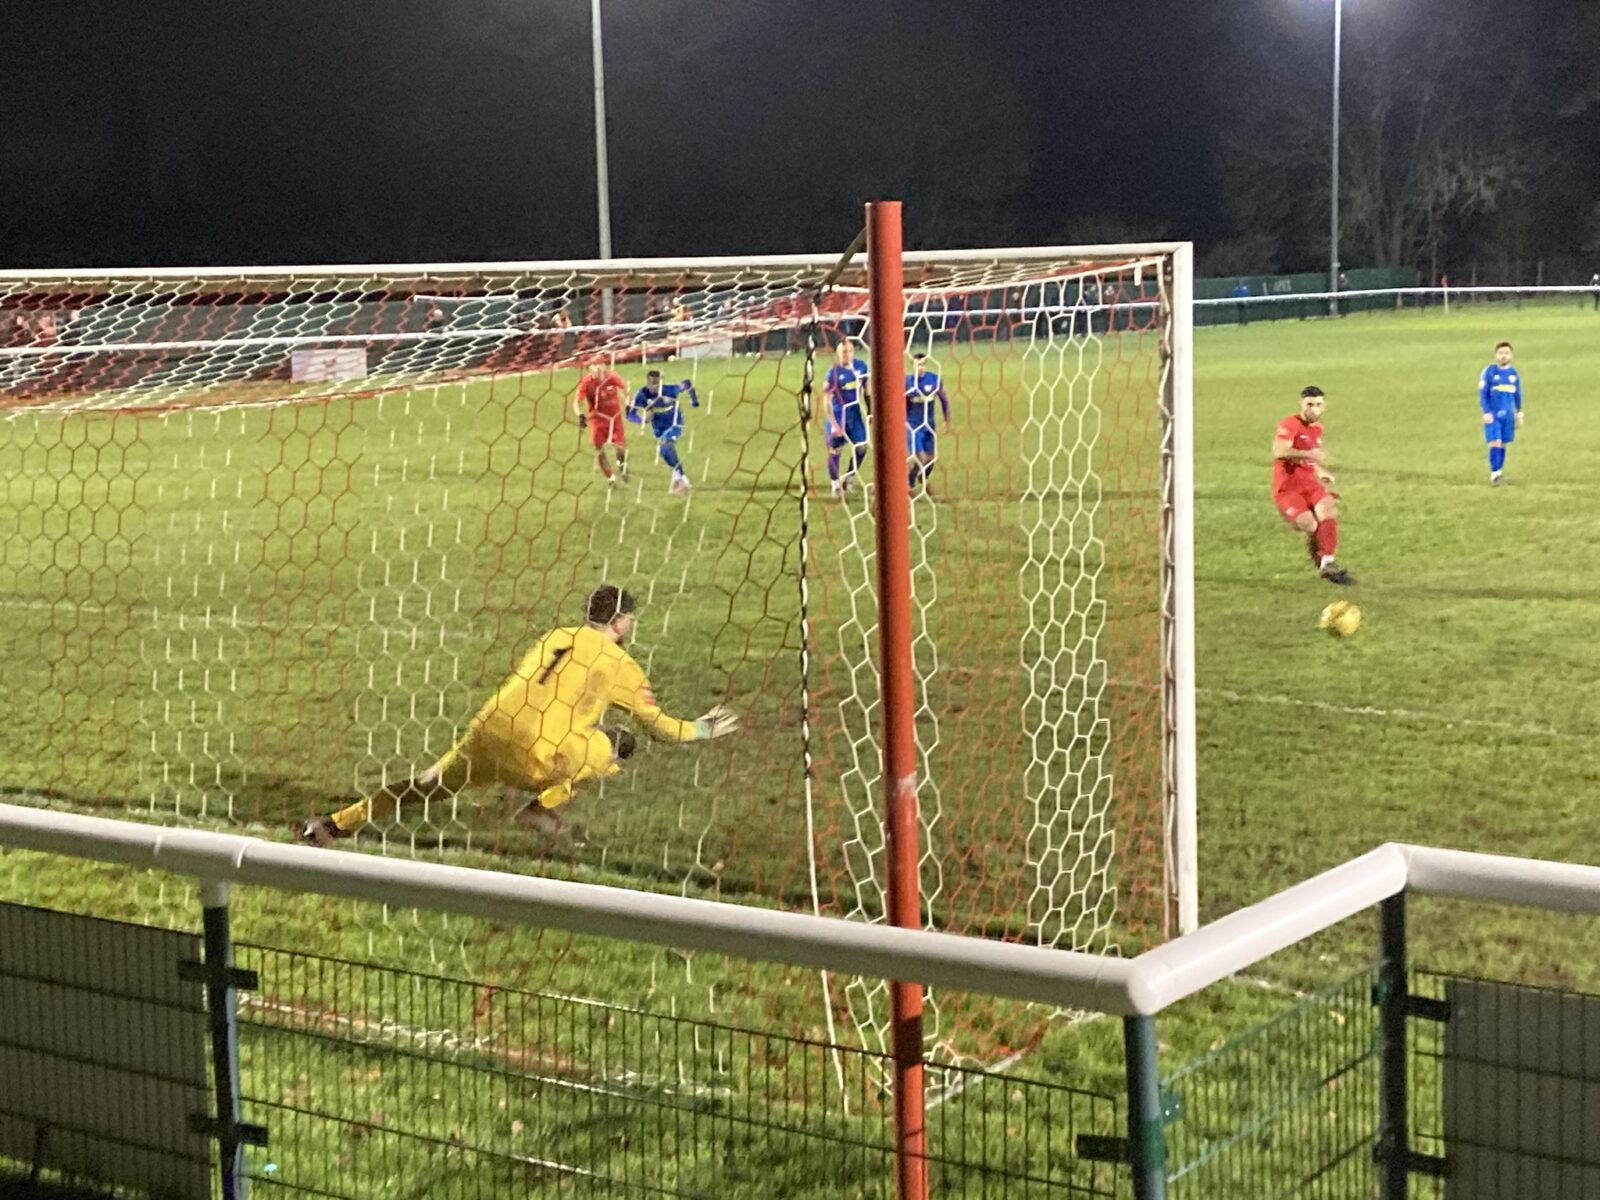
<point x="719" y="722"/>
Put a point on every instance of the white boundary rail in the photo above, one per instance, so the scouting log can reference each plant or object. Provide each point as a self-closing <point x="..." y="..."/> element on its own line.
<point x="1141" y="986"/>
<point x="1444" y="294"/>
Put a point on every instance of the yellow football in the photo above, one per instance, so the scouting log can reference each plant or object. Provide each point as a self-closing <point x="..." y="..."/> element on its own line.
<point x="1341" y="618"/>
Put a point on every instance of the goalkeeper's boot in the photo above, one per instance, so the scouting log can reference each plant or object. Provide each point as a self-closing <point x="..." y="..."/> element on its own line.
<point x="1334" y="573"/>
<point x="623" y="741"/>
<point x="540" y="819"/>
<point x="320" y="831"/>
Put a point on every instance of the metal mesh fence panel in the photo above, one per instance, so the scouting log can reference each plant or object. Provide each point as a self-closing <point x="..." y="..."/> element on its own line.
<point x="1289" y="1108"/>
<point x="380" y="1081"/>
<point x="1504" y="1089"/>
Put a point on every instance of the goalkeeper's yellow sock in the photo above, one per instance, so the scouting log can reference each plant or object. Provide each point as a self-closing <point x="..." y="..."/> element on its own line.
<point x="354" y="816"/>
<point x="556" y="794"/>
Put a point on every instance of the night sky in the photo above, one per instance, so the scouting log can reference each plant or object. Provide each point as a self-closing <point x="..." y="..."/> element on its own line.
<point x="227" y="133"/>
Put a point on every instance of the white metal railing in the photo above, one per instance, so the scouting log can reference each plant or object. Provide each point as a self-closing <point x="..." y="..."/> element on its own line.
<point x="1444" y="294"/>
<point x="1140" y="986"/>
<point x="1059" y="977"/>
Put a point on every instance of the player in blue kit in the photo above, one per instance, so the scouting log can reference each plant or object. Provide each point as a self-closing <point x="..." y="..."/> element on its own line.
<point x="846" y="421"/>
<point x="660" y="401"/>
<point x="923" y="386"/>
<point x="1500" y="398"/>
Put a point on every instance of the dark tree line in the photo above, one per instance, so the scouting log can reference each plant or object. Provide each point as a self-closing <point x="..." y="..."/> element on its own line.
<point x="1468" y="141"/>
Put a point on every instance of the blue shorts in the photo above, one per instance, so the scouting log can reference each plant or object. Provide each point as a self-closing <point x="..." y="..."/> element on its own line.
<point x="855" y="430"/>
<point x="667" y="433"/>
<point x="919" y="440"/>
<point x="1502" y="429"/>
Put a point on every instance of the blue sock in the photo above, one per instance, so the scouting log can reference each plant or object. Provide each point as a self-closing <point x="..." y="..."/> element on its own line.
<point x="833" y="465"/>
<point x="1497" y="457"/>
<point x="669" y="455"/>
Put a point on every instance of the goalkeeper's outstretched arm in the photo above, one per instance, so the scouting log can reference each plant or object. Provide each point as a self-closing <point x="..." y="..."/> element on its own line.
<point x="634" y="695"/>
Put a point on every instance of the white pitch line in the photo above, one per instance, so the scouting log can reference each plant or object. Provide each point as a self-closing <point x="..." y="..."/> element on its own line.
<point x="217" y="621"/>
<point x="1393" y="714"/>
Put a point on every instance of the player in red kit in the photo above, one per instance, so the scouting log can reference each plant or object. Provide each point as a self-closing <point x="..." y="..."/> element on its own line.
<point x="1299" y="484"/>
<point x="599" y="403"/>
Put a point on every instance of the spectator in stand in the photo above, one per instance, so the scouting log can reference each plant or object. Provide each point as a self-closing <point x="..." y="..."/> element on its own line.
<point x="18" y="329"/>
<point x="566" y="338"/>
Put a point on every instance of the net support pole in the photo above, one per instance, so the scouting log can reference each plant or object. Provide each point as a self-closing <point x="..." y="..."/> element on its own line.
<point x="886" y="319"/>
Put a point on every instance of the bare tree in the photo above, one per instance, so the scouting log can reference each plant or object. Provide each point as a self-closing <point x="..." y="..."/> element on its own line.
<point x="1430" y="138"/>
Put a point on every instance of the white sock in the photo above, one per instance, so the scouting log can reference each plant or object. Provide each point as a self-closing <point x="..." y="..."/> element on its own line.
<point x="1327" y="561"/>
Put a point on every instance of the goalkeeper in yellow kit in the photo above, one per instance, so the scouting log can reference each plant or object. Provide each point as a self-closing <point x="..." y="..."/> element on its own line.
<point x="541" y="732"/>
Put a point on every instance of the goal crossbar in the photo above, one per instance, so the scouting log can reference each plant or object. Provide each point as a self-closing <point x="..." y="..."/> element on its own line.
<point x="597" y="266"/>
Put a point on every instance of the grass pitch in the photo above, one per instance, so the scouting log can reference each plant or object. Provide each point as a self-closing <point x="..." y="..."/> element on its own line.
<point x="1462" y="713"/>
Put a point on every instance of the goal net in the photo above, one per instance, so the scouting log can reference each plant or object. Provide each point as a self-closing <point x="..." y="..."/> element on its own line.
<point x="272" y="536"/>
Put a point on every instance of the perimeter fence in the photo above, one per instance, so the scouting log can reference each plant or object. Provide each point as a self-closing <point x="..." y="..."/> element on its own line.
<point x="335" y="1077"/>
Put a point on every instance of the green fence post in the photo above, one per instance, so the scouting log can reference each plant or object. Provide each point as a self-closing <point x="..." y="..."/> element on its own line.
<point x="222" y="980"/>
<point x="1394" y="1141"/>
<point x="1147" y="1142"/>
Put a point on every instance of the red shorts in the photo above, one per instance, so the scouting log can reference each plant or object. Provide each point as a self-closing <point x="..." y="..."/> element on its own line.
<point x="605" y="427"/>
<point x="1294" y="497"/>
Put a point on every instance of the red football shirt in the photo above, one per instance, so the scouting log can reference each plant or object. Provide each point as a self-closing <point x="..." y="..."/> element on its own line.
<point x="603" y="395"/>
<point x="1302" y="437"/>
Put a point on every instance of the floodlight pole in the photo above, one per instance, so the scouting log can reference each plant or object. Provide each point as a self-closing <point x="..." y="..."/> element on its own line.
<point x="1333" y="182"/>
<point x="602" y="170"/>
<point x="886" y="308"/>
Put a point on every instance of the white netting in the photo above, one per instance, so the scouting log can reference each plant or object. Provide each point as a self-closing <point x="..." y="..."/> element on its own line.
<point x="270" y="538"/>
